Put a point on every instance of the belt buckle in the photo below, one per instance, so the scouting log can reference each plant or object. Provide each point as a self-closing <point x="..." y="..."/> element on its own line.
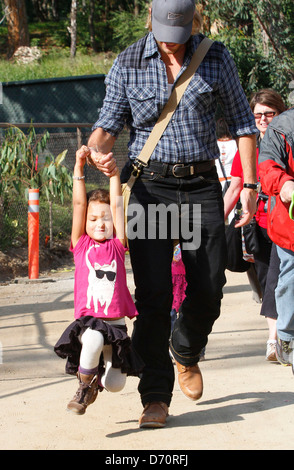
<point x="182" y="165"/>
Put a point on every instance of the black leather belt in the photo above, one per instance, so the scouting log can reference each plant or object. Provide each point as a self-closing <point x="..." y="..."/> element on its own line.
<point x="180" y="170"/>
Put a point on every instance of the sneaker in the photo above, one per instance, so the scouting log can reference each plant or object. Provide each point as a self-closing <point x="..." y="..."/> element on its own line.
<point x="271" y="350"/>
<point x="284" y="352"/>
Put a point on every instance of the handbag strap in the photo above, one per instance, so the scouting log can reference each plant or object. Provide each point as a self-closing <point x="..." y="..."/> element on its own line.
<point x="223" y="169"/>
<point x="173" y="101"/>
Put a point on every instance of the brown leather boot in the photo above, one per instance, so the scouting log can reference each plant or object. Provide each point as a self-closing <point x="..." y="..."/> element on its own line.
<point x="190" y="380"/>
<point x="154" y="415"/>
<point x="85" y="395"/>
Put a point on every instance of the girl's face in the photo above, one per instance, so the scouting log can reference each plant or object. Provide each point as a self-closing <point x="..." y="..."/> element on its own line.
<point x="263" y="116"/>
<point x="99" y="223"/>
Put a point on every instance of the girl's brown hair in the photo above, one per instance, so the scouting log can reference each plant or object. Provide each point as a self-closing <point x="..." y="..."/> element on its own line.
<point x="99" y="195"/>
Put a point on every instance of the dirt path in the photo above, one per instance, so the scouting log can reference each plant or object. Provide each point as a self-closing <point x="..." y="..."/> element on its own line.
<point x="247" y="403"/>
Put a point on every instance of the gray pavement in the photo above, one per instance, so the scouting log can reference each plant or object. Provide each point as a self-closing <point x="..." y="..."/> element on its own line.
<point x="248" y="403"/>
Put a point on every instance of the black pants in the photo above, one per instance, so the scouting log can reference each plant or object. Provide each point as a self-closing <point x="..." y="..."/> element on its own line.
<point x="267" y="266"/>
<point x="151" y="256"/>
<point x="262" y="258"/>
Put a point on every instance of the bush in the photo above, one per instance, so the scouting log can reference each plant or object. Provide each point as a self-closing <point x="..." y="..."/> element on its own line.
<point x="14" y="222"/>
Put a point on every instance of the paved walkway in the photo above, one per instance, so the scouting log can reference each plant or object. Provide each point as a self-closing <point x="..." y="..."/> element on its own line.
<point x="247" y="403"/>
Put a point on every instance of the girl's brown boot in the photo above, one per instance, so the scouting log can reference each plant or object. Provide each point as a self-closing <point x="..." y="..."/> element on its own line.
<point x="85" y="395"/>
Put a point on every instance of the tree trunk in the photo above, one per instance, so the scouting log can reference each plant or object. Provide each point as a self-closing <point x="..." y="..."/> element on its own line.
<point x="136" y="8"/>
<point x="54" y="10"/>
<point x="17" y="23"/>
<point x="91" y="25"/>
<point x="44" y="10"/>
<point x="73" y="28"/>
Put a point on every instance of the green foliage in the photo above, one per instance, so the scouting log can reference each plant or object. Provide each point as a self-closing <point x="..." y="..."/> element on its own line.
<point x="115" y="28"/>
<point x="258" y="33"/>
<point x="14" y="220"/>
<point x="21" y="166"/>
<point x="124" y="37"/>
<point x="260" y="37"/>
<point x="13" y="223"/>
<point x="57" y="63"/>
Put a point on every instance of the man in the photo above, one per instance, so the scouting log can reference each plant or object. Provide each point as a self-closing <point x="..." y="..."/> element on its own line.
<point x="276" y="168"/>
<point x="181" y="172"/>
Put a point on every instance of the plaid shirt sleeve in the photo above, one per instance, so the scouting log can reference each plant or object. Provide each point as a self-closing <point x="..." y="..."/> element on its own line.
<point x="233" y="100"/>
<point x="115" y="112"/>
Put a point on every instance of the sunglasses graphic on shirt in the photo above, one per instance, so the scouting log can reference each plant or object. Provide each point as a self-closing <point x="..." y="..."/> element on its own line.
<point x="110" y="275"/>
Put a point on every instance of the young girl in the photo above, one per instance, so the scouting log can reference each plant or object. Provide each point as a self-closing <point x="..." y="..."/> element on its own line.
<point x="179" y="288"/>
<point x="96" y="344"/>
<point x="178" y="279"/>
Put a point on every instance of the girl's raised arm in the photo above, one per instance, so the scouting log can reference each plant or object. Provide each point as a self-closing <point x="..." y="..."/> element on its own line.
<point x="79" y="198"/>
<point x="107" y="164"/>
<point x="117" y="208"/>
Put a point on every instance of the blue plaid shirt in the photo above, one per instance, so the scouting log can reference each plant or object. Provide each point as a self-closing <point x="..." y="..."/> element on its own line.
<point x="137" y="90"/>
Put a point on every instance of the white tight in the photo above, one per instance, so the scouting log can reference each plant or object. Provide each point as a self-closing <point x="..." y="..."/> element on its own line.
<point x="92" y="347"/>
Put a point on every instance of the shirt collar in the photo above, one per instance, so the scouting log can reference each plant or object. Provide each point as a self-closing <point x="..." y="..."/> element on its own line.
<point x="150" y="47"/>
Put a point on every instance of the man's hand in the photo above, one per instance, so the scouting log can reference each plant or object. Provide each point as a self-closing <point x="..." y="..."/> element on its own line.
<point x="287" y="191"/>
<point x="105" y="163"/>
<point x="248" y="201"/>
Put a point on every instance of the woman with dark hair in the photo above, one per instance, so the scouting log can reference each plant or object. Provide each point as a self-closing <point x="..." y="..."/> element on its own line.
<point x="265" y="105"/>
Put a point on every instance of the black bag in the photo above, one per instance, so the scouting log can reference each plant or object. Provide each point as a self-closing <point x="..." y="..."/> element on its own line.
<point x="236" y="262"/>
<point x="251" y="237"/>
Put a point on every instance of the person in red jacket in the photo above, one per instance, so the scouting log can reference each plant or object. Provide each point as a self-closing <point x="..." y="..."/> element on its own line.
<point x="265" y="105"/>
<point x="276" y="170"/>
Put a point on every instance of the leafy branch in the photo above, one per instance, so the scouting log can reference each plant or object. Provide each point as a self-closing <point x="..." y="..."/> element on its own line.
<point x="21" y="166"/>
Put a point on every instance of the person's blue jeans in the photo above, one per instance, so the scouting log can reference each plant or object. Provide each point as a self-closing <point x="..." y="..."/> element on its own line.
<point x="285" y="295"/>
<point x="151" y="258"/>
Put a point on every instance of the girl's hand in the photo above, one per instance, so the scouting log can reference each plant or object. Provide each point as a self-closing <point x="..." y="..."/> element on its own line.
<point x="81" y="156"/>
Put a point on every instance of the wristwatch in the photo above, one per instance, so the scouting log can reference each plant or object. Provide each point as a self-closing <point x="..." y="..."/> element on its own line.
<point x="255" y="186"/>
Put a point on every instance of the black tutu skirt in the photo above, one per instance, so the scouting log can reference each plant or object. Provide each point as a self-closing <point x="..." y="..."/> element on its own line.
<point x="124" y="356"/>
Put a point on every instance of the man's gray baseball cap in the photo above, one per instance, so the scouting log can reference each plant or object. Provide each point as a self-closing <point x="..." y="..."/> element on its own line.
<point x="172" y="20"/>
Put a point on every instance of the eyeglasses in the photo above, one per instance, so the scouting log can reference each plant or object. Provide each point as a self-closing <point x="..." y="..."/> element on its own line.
<point x="267" y="114"/>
